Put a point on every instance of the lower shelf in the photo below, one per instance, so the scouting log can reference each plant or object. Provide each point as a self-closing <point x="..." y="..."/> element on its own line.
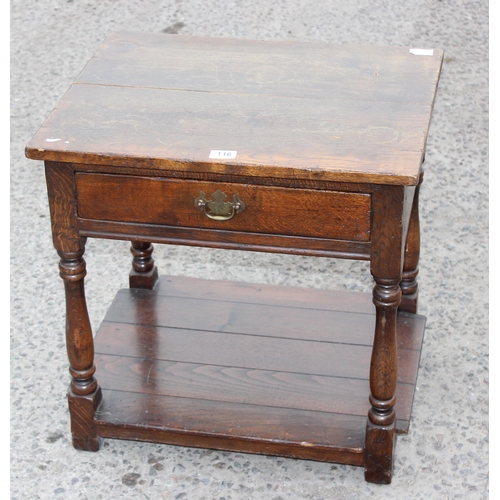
<point x="244" y="367"/>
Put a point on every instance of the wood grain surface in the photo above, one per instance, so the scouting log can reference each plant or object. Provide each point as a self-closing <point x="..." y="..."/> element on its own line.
<point x="272" y="210"/>
<point x="290" y="110"/>
<point x="261" y="358"/>
<point x="230" y="426"/>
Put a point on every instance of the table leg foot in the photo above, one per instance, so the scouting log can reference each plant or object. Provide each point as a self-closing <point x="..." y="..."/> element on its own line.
<point x="82" y="410"/>
<point x="409" y="285"/>
<point x="379" y="453"/>
<point x="144" y="273"/>
<point x="409" y="302"/>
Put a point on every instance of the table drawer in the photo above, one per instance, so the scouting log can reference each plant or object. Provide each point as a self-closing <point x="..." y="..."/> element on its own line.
<point x="193" y="203"/>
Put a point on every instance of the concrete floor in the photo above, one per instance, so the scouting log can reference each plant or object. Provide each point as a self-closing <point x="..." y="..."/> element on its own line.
<point x="445" y="455"/>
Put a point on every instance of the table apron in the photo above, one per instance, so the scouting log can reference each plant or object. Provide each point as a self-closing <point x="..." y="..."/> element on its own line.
<point x="230" y="240"/>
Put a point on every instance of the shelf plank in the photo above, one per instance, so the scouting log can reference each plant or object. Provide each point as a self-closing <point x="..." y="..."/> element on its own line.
<point x="136" y="307"/>
<point x="228" y="365"/>
<point x="245" y="386"/>
<point x="256" y="293"/>
<point x="284" y="68"/>
<point x="246" y="351"/>
<point x="231" y="426"/>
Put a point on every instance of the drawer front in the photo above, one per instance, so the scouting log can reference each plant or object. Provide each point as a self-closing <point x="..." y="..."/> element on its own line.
<point x="263" y="209"/>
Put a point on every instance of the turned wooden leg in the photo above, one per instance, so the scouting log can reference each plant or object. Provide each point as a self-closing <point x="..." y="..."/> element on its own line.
<point x="386" y="263"/>
<point x="409" y="286"/>
<point x="144" y="273"/>
<point x="381" y="425"/>
<point x="84" y="394"/>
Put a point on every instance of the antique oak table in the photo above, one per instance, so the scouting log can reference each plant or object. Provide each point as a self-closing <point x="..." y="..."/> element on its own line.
<point x="273" y="146"/>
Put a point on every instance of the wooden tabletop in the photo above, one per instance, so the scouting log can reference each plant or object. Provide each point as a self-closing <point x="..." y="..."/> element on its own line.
<point x="287" y="109"/>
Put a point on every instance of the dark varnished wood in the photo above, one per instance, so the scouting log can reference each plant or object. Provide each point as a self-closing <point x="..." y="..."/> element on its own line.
<point x="330" y="142"/>
<point x="271" y="295"/>
<point x="191" y="346"/>
<point x="390" y="216"/>
<point x="84" y="394"/>
<point x="298" y="139"/>
<point x="222" y="238"/>
<point x="242" y="385"/>
<point x="144" y="359"/>
<point x="409" y="286"/>
<point x="231" y="317"/>
<point x="230" y="426"/>
<point x="274" y="210"/>
<point x="144" y="273"/>
<point x="285" y="68"/>
<point x="141" y="203"/>
<point x="231" y="177"/>
<point x="335" y="122"/>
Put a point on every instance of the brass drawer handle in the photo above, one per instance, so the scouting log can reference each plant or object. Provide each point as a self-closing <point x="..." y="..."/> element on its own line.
<point x="218" y="209"/>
